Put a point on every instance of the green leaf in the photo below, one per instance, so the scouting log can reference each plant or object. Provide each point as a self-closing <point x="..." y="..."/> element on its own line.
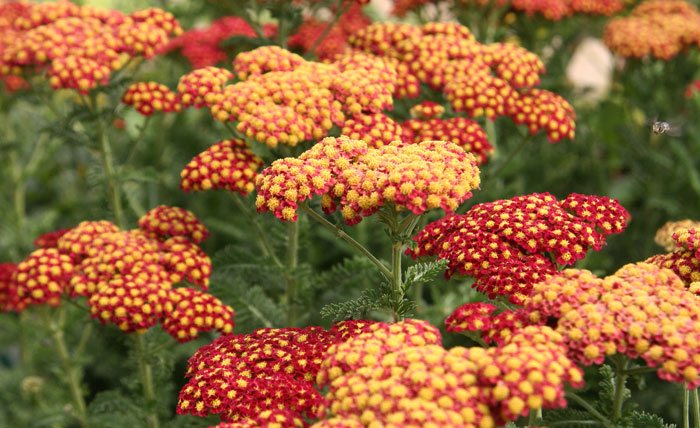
<point x="647" y="420"/>
<point x="370" y="300"/>
<point x="254" y="308"/>
<point x="423" y="272"/>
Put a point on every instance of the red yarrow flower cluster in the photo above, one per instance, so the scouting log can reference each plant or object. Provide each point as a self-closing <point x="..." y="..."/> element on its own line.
<point x="478" y="80"/>
<point x="640" y="311"/>
<point x="227" y="165"/>
<point x="399" y="375"/>
<point x="684" y="258"/>
<point x="82" y="46"/>
<point x="242" y="378"/>
<point x="202" y="46"/>
<point x="128" y="277"/>
<point x="358" y="180"/>
<point x="509" y="245"/>
<point x="657" y="28"/>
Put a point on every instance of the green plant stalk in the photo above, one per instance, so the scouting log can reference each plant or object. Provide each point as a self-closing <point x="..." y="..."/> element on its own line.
<point x="386" y="273"/>
<point x="146" y="375"/>
<point x="620" y="380"/>
<point x="512" y="155"/>
<point x="291" y="266"/>
<point x="72" y="374"/>
<point x="396" y="280"/>
<point x="254" y="220"/>
<point x="534" y="418"/>
<point x="696" y="408"/>
<point x="686" y="406"/>
<point x="108" y="165"/>
<point x="590" y="409"/>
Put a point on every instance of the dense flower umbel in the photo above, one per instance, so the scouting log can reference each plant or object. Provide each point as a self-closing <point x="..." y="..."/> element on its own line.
<point x="640" y="311"/>
<point x="685" y="259"/>
<point x="128" y="276"/>
<point x="7" y="287"/>
<point x="203" y="87"/>
<point x="471" y="317"/>
<point x="227" y="165"/>
<point x="398" y="375"/>
<point x="83" y="45"/>
<point x="657" y="28"/>
<point x="477" y="79"/>
<point x="543" y="110"/>
<point x="459" y="130"/>
<point x="164" y="221"/>
<point x="240" y="377"/>
<point x="507" y="244"/>
<point x="150" y="97"/>
<point x="375" y="129"/>
<point x="358" y="180"/>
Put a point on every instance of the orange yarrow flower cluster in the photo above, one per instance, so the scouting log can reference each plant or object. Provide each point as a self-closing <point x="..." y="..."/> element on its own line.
<point x="640" y="311"/>
<point x="479" y="80"/>
<point x="283" y="99"/>
<point x="358" y="180"/>
<point x="664" y="236"/>
<point x="684" y="260"/>
<point x="128" y="277"/>
<point x="399" y="375"/>
<point x="656" y="28"/>
<point x="244" y="377"/>
<point x="227" y="165"/>
<point x="82" y="45"/>
<point x="509" y="245"/>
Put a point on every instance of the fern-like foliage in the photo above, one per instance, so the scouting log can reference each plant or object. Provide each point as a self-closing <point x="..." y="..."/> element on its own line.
<point x="572" y="418"/>
<point x="647" y="420"/>
<point x="114" y="409"/>
<point x="254" y="307"/>
<point x="422" y="273"/>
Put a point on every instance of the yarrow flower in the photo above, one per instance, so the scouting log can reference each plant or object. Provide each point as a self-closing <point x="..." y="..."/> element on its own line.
<point x="458" y="130"/>
<point x="427" y="110"/>
<point x="82" y="45"/>
<point x="243" y="378"/>
<point x="684" y="260"/>
<point x="150" y="97"/>
<point x="227" y="165"/>
<point x="375" y="129"/>
<point x="556" y="10"/>
<point x="127" y="277"/>
<point x="664" y="236"/>
<point x="506" y="245"/>
<point x="358" y="180"/>
<point x="399" y="375"/>
<point x="657" y="28"/>
<point x="203" y="87"/>
<point x="640" y="311"/>
<point x="7" y="287"/>
<point x="491" y="80"/>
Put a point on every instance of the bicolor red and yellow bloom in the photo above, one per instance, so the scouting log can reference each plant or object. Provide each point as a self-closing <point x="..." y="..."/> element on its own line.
<point x="358" y="180"/>
<point x="684" y="258"/>
<point x="509" y="245"/>
<point x="127" y="276"/>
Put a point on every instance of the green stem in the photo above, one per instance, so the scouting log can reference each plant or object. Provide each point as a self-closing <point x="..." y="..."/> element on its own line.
<point x="590" y="409"/>
<point x="396" y="280"/>
<point x="137" y="141"/>
<point x="146" y="374"/>
<point x="534" y="418"/>
<point x="696" y="408"/>
<point x="347" y="238"/>
<point x="344" y="6"/>
<point x="19" y="196"/>
<point x="108" y="165"/>
<point x="69" y="369"/>
<point x="686" y="407"/>
<point x="620" y="379"/>
<point x="637" y="370"/>
<point x="254" y="220"/>
<point x="292" y="263"/>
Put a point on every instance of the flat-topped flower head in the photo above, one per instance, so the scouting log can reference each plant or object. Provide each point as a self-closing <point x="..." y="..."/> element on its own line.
<point x="399" y="375"/>
<point x="81" y="74"/>
<point x="358" y="180"/>
<point x="514" y="64"/>
<point x="227" y="165"/>
<point x="164" y="221"/>
<point x="78" y="239"/>
<point x="656" y="28"/>
<point x="50" y="239"/>
<point x="185" y="260"/>
<point x="640" y="311"/>
<point x="188" y="312"/>
<point x="265" y="59"/>
<point x="427" y="110"/>
<point x="375" y="129"/>
<point x="471" y="317"/>
<point x="664" y="236"/>
<point x="543" y="110"/>
<point x="511" y="244"/>
<point x="239" y="377"/>
<point x="203" y="87"/>
<point x="150" y="97"/>
<point x="464" y="132"/>
<point x="480" y="95"/>
<point x="158" y="18"/>
<point x="684" y="259"/>
<point x="8" y="290"/>
<point x="42" y="278"/>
